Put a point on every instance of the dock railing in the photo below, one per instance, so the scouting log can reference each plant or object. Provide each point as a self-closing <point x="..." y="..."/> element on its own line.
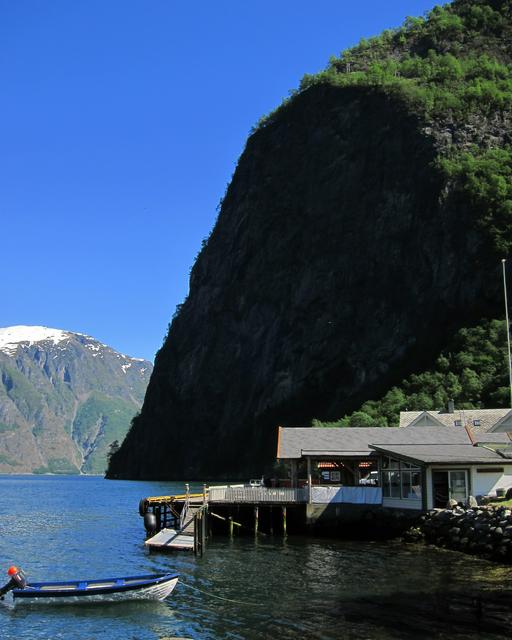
<point x="346" y="495"/>
<point x="252" y="495"/>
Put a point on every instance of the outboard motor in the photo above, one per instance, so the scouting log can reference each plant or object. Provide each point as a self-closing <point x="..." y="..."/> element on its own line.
<point x="18" y="577"/>
<point x="17" y="581"/>
<point x="150" y="523"/>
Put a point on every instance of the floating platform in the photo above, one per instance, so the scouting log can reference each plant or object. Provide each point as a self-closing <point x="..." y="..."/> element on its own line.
<point x="170" y="539"/>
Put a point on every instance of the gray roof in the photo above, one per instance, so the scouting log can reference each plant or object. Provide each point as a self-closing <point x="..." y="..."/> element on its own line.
<point x="492" y="438"/>
<point x="449" y="453"/>
<point x="425" y="444"/>
<point x="488" y="417"/>
<point x="295" y="442"/>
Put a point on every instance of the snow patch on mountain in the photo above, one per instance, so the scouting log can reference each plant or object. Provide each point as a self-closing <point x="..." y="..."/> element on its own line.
<point x="11" y="337"/>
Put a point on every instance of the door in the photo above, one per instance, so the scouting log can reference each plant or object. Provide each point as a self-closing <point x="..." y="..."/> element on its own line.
<point x="458" y="486"/>
<point x="441" y="489"/>
<point x="449" y="485"/>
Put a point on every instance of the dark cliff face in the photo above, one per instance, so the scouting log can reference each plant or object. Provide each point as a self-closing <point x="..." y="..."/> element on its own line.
<point x="339" y="263"/>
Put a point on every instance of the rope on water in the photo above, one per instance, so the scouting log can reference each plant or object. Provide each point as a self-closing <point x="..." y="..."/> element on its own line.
<point x="212" y="595"/>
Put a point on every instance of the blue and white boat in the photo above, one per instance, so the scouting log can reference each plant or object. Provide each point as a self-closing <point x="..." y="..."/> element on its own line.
<point x="148" y="587"/>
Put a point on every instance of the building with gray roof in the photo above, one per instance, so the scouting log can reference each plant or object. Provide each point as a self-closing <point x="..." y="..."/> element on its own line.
<point x="482" y="420"/>
<point x="419" y="466"/>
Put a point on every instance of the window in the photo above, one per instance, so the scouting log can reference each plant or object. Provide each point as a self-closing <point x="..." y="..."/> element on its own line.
<point x="400" y="480"/>
<point x="390" y="463"/>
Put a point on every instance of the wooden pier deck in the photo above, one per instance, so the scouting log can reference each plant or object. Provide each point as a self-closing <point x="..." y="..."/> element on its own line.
<point x="170" y="539"/>
<point x="176" y="522"/>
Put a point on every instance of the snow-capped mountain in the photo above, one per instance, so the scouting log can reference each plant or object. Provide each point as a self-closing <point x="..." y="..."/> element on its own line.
<point x="64" y="398"/>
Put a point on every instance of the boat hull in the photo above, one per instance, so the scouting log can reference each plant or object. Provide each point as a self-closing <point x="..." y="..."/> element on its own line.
<point x="112" y="590"/>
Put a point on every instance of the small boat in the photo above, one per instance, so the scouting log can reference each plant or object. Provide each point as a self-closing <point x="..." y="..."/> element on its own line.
<point x="149" y="587"/>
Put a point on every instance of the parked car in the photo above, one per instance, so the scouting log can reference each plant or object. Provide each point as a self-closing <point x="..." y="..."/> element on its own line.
<point x="256" y="483"/>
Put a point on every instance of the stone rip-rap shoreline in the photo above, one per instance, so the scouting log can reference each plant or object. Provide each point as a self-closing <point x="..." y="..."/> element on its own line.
<point x="482" y="530"/>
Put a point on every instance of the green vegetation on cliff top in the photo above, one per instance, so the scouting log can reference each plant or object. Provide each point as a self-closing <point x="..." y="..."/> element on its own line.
<point x="453" y="62"/>
<point x="450" y="67"/>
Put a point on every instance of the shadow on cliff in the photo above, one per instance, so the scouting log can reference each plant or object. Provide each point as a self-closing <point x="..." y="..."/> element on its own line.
<point x="340" y="263"/>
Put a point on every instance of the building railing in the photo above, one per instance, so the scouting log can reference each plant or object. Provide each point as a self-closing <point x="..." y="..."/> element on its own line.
<point x="346" y="495"/>
<point x="253" y="495"/>
<point x="287" y="495"/>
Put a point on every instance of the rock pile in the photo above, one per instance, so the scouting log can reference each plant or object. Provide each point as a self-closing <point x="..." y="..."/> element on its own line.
<point x="483" y="530"/>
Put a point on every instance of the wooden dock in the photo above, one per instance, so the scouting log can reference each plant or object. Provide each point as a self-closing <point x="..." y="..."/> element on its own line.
<point x="176" y="522"/>
<point x="169" y="540"/>
<point x="183" y="521"/>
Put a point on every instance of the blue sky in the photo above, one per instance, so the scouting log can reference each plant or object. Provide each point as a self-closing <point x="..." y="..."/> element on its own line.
<point x="121" y="125"/>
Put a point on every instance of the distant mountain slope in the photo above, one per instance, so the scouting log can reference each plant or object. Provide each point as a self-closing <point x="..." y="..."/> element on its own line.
<point x="64" y="397"/>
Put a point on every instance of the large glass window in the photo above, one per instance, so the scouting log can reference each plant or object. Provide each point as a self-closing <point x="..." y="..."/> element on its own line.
<point x="400" y="480"/>
<point x="394" y="481"/>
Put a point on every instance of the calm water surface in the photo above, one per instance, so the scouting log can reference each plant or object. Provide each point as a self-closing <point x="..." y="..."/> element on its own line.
<point x="84" y="527"/>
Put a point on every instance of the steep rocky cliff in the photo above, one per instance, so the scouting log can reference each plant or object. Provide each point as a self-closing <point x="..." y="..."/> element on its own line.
<point x="344" y="257"/>
<point x="64" y="398"/>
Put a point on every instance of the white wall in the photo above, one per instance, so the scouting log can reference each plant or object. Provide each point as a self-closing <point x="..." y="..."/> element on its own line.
<point x="480" y="484"/>
<point x="487" y="483"/>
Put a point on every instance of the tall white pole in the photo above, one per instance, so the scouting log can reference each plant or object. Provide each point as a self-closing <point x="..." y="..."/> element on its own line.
<point x="508" y="330"/>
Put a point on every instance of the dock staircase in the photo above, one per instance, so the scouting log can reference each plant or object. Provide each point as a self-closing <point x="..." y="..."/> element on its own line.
<point x="187" y="518"/>
<point x="185" y="536"/>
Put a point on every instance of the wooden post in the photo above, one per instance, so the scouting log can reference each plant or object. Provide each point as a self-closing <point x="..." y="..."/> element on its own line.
<point x="187" y="489"/>
<point x="293" y="474"/>
<point x="424" y="494"/>
<point x="204" y="494"/>
<point x="195" y="535"/>
<point x="230" y="526"/>
<point x="256" y="520"/>
<point x="199" y="525"/>
<point x="271" y="521"/>
<point x="310" y="482"/>
<point x="203" y="530"/>
<point x="284" y="521"/>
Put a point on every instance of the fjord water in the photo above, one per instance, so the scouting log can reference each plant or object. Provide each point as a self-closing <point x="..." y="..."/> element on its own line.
<point x="70" y="527"/>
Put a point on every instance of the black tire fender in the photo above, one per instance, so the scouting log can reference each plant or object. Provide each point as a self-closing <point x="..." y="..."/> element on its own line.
<point x="143" y="507"/>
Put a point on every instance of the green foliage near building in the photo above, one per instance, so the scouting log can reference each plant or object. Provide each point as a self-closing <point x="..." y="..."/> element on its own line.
<point x="473" y="372"/>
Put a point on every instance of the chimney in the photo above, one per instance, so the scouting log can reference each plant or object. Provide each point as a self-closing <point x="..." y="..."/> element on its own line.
<point x="451" y="406"/>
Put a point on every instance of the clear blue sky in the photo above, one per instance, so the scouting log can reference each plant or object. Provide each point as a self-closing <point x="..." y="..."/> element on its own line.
<point x="121" y="125"/>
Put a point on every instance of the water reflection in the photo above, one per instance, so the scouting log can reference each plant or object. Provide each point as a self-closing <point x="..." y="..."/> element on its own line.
<point x="243" y="588"/>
